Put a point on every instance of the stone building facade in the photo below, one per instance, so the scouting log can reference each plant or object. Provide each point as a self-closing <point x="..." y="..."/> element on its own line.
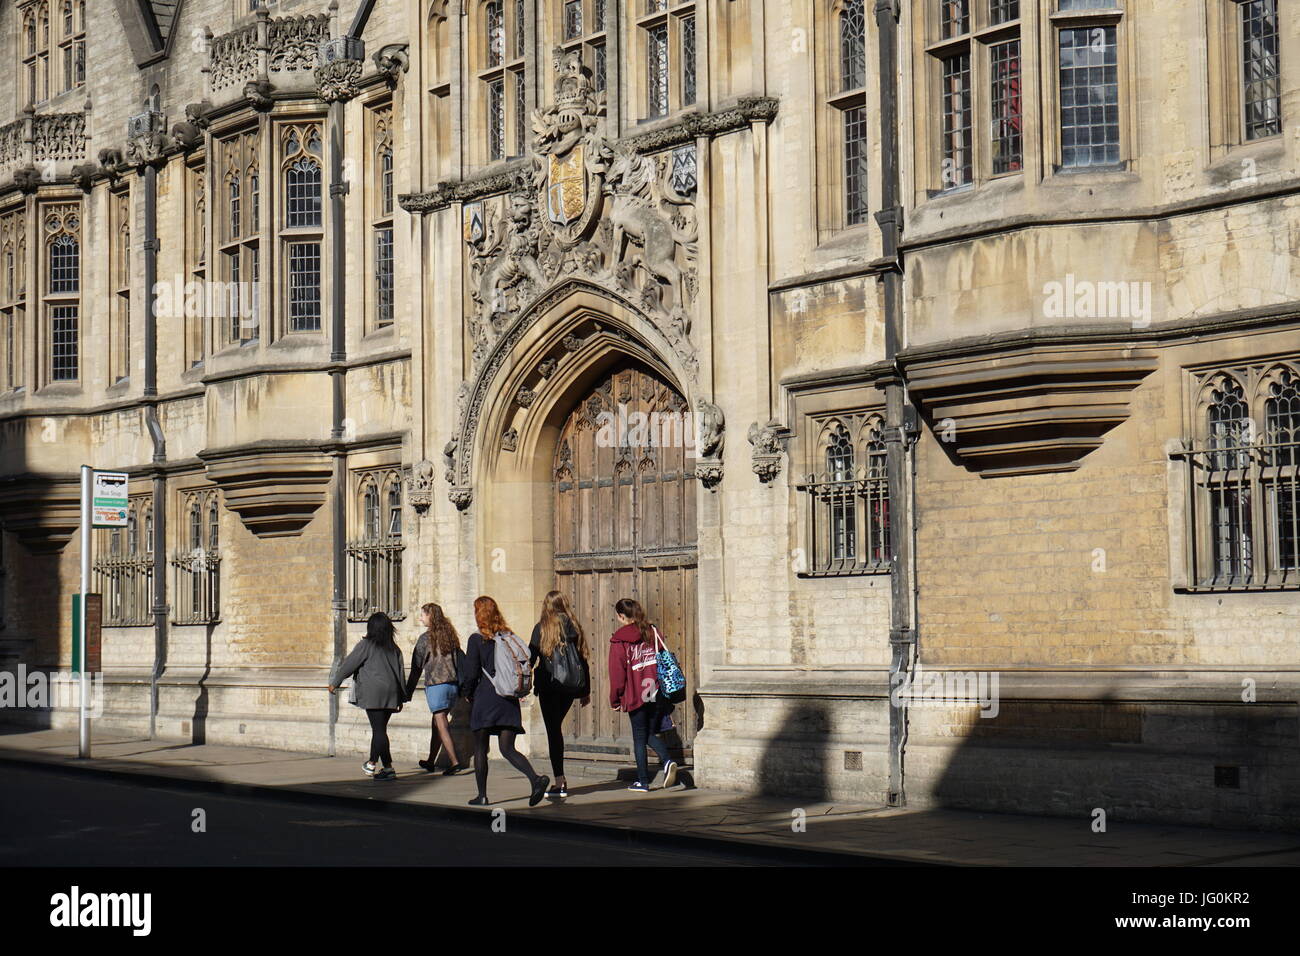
<point x="894" y="355"/>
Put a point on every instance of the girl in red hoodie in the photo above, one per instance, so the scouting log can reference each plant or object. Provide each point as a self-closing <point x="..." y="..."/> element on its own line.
<point x="633" y="688"/>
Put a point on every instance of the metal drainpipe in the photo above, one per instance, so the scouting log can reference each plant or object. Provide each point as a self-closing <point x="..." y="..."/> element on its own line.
<point x="150" y="173"/>
<point x="899" y="421"/>
<point x="338" y="354"/>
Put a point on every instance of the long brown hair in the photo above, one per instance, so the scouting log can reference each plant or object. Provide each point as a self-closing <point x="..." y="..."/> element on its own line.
<point x="443" y="638"/>
<point x="553" y="606"/>
<point x="488" y="617"/>
<point x="631" y="607"/>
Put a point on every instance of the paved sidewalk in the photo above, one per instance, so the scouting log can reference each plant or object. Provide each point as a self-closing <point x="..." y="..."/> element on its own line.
<point x="835" y="832"/>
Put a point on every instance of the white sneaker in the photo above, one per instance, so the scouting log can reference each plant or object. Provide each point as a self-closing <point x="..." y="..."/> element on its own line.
<point x="369" y="768"/>
<point x="670" y="774"/>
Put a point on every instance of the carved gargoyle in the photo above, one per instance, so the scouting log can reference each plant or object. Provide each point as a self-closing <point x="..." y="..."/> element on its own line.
<point x="189" y="133"/>
<point x="392" y="61"/>
<point x="258" y="93"/>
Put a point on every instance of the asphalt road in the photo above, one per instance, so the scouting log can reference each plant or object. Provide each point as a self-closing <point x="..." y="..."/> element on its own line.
<point x="50" y="817"/>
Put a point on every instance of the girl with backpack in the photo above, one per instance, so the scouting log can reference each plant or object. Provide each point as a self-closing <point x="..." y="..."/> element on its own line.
<point x="633" y="688"/>
<point x="496" y="677"/>
<point x="437" y="655"/>
<point x="561" y="675"/>
<point x="379" y="688"/>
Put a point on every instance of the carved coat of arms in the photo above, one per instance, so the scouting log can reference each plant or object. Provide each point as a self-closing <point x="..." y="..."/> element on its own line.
<point x="566" y="186"/>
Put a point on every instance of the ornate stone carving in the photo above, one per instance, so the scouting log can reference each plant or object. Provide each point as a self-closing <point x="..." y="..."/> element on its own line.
<point x="510" y="440"/>
<point x="232" y="56"/>
<point x="259" y="94"/>
<point x="27" y="179"/>
<point x="525" y="397"/>
<point x="294" y="42"/>
<point x="768" y="447"/>
<point x="421" y="493"/>
<point x="392" y="61"/>
<point x="57" y="136"/>
<point x="461" y="497"/>
<point x="552" y="223"/>
<point x="11" y="142"/>
<point x="546" y="368"/>
<point x="146" y="149"/>
<point x="339" y="80"/>
<point x="189" y="133"/>
<point x="712" y="426"/>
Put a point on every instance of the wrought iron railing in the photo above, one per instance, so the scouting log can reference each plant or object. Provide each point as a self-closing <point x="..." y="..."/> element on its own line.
<point x="847" y="523"/>
<point x="1243" y="515"/>
<point x="127" y="586"/>
<point x="196" y="596"/>
<point x="375" y="579"/>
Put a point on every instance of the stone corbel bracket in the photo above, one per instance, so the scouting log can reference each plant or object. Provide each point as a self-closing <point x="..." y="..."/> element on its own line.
<point x="769" y="443"/>
<point x="43" y="510"/>
<point x="275" y="490"/>
<point x="1034" y="409"/>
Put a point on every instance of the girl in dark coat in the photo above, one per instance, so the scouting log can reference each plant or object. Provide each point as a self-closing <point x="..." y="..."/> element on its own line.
<point x="490" y="713"/>
<point x="557" y="626"/>
<point x="379" y="688"/>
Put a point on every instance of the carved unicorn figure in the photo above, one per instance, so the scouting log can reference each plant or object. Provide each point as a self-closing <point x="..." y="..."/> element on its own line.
<point x="642" y="209"/>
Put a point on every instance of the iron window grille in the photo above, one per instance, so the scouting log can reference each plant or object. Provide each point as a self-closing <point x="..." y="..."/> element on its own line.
<point x="847" y="504"/>
<point x="375" y="554"/>
<point x="1242" y="488"/>
<point x="122" y="570"/>
<point x="196" y="565"/>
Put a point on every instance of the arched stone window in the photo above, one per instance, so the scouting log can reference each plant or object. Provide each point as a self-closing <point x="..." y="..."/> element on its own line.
<point x="375" y="551"/>
<point x="196" y="562"/>
<point x="122" y="566"/>
<point x="62" y="304"/>
<point x="301" y="227"/>
<point x="846" y="522"/>
<point x="1243" y="492"/>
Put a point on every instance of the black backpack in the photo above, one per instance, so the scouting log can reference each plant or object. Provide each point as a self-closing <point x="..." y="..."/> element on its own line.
<point x="568" y="670"/>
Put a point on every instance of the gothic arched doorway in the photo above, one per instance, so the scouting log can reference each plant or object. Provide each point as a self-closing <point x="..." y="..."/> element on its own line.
<point x="624" y="485"/>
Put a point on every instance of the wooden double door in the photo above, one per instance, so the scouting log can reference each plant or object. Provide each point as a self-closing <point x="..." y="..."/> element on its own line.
<point x="624" y="485"/>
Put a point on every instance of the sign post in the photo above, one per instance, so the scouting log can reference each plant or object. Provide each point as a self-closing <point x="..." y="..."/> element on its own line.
<point x="103" y="505"/>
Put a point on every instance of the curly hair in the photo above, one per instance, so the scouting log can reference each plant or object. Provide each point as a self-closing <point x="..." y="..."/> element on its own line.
<point x="443" y="638"/>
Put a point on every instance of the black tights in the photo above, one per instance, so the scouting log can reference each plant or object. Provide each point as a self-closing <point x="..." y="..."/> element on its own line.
<point x="506" y="744"/>
<point x="379" y="736"/>
<point x="555" y="707"/>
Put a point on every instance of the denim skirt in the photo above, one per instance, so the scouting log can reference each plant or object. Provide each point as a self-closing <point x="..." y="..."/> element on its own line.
<point x="441" y="697"/>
